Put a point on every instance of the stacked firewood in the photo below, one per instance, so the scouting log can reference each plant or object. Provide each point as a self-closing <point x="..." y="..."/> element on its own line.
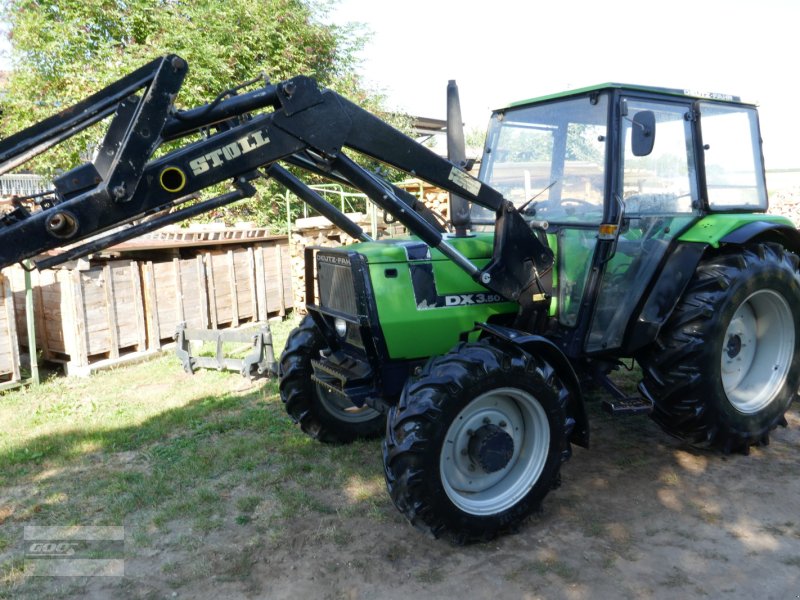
<point x="786" y="202"/>
<point x="438" y="201"/>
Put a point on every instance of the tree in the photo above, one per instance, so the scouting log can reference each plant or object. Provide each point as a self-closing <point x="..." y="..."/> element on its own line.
<point x="63" y="50"/>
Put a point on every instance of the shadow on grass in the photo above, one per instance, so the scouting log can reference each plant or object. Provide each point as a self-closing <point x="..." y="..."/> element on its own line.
<point x="185" y="462"/>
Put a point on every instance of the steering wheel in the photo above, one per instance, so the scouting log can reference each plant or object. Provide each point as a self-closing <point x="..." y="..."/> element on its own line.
<point x="565" y="203"/>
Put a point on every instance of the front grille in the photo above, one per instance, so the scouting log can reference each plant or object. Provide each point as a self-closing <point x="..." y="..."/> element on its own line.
<point x="335" y="280"/>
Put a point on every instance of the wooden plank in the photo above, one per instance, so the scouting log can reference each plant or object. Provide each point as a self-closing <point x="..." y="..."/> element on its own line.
<point x="233" y="288"/>
<point x="245" y="284"/>
<point x="202" y="291"/>
<point x="12" y="329"/>
<point x="16" y="281"/>
<point x="251" y="278"/>
<point x="261" y="287"/>
<point x="221" y="289"/>
<point x="138" y="306"/>
<point x="111" y="310"/>
<point x="76" y="323"/>
<point x="39" y="313"/>
<point x="151" y="306"/>
<point x="176" y="265"/>
<point x="212" y="300"/>
<point x="281" y="289"/>
<point x="30" y="327"/>
<point x="93" y="311"/>
<point x="287" y="278"/>
<point x="190" y="281"/>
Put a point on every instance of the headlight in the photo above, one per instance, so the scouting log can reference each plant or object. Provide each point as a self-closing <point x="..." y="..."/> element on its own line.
<point x="341" y="327"/>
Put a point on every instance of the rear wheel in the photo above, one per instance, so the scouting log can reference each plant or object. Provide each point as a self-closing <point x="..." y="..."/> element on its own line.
<point x="726" y="366"/>
<point x="476" y="442"/>
<point x="322" y="413"/>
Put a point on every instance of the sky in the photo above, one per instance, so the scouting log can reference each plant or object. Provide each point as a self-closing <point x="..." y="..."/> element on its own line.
<point x="500" y="51"/>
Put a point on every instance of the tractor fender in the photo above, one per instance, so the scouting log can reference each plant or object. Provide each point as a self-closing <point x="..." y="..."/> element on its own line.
<point x="676" y="272"/>
<point x="765" y="231"/>
<point x="541" y="346"/>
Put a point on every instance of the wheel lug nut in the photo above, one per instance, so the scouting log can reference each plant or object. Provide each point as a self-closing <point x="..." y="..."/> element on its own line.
<point x="503" y="424"/>
<point x="486" y="421"/>
<point x="470" y="432"/>
<point x="463" y="452"/>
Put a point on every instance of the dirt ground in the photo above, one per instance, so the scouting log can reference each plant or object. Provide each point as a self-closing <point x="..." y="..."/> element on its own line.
<point x="640" y="515"/>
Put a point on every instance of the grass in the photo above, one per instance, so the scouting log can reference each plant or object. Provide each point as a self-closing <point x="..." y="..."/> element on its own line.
<point x="168" y="455"/>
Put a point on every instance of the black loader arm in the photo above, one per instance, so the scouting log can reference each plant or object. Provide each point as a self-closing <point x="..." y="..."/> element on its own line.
<point x="246" y="136"/>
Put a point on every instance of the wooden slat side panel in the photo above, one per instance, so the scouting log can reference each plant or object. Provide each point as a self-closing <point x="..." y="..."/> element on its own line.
<point x="165" y="294"/>
<point x="92" y="309"/>
<point x="194" y="308"/>
<point x="221" y="290"/>
<point x="9" y="347"/>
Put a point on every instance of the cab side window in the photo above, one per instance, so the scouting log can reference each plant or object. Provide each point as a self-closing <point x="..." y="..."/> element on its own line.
<point x="732" y="156"/>
<point x="663" y="182"/>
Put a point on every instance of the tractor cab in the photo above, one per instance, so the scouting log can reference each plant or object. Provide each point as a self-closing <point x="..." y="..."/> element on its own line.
<point x="614" y="175"/>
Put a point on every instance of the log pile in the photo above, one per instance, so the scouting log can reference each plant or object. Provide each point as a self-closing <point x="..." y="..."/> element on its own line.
<point x="438" y="201"/>
<point x="786" y="202"/>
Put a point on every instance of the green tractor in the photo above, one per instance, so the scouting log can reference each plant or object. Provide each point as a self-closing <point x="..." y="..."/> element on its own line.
<point x="648" y="206"/>
<point x="608" y="223"/>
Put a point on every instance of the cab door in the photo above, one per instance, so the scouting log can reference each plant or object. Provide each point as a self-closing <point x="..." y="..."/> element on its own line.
<point x="659" y="194"/>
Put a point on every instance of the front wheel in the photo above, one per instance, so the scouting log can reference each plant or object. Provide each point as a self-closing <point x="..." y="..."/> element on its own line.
<point x="322" y="413"/>
<point x="476" y="442"/>
<point x="726" y="366"/>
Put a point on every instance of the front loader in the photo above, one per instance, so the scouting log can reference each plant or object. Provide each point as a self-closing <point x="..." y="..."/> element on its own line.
<point x="606" y="223"/>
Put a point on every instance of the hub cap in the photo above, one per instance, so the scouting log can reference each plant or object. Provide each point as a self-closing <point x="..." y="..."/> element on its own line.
<point x="757" y="351"/>
<point x="494" y="451"/>
<point x="342" y="408"/>
<point x="490" y="448"/>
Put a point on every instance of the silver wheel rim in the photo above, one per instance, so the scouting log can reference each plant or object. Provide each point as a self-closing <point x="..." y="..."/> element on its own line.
<point x="342" y="408"/>
<point x="757" y="351"/>
<point x="520" y="416"/>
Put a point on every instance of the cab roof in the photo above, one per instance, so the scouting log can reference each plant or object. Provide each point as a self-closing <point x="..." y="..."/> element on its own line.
<point x="700" y="95"/>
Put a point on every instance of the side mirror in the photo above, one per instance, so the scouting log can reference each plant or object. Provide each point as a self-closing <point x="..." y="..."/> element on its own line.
<point x="643" y="132"/>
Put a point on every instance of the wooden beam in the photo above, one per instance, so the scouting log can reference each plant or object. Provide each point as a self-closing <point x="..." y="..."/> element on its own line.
<point x="30" y="318"/>
<point x="202" y="290"/>
<point x="139" y="307"/>
<point x="251" y="279"/>
<point x="212" y="297"/>
<point x="233" y="286"/>
<point x="281" y="283"/>
<point x="111" y="310"/>
<point x="176" y="264"/>
<point x="151" y="307"/>
<point x="39" y="315"/>
<point x="79" y="357"/>
<point x="8" y="301"/>
<point x="261" y="284"/>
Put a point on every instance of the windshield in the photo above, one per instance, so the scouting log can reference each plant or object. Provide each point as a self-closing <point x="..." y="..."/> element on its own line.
<point x="549" y="159"/>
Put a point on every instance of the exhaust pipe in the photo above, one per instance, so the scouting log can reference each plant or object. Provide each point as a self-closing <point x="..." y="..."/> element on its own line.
<point x="456" y="152"/>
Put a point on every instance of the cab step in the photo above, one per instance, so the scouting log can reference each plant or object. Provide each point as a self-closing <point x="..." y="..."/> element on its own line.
<point x="630" y="405"/>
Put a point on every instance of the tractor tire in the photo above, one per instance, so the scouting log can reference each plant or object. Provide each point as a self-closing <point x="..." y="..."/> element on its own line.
<point x="726" y="365"/>
<point x="323" y="414"/>
<point x="476" y="442"/>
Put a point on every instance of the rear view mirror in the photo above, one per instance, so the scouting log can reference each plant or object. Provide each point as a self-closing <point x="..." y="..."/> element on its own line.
<point x="643" y="133"/>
